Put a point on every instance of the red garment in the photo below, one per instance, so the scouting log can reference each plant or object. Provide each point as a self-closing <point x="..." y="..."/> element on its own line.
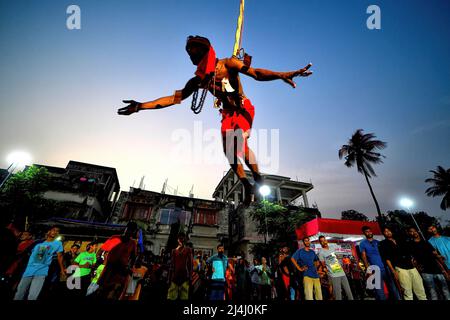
<point x="286" y="280"/>
<point x="21" y="257"/>
<point x="239" y="119"/>
<point x="115" y="275"/>
<point x="111" y="243"/>
<point x="182" y="265"/>
<point x="231" y="280"/>
<point x="208" y="64"/>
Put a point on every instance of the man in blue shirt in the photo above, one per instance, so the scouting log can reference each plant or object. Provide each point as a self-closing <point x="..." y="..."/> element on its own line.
<point x="441" y="244"/>
<point x="37" y="269"/>
<point x="218" y="264"/>
<point x="307" y="261"/>
<point x="371" y="257"/>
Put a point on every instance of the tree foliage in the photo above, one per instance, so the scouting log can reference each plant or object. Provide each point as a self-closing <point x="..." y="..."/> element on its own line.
<point x="361" y="151"/>
<point x="281" y="225"/>
<point x="21" y="195"/>
<point x="399" y="221"/>
<point x="353" y="215"/>
<point x="440" y="186"/>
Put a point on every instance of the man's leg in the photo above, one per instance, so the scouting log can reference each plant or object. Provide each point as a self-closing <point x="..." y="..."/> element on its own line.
<point x="417" y="284"/>
<point x="291" y="293"/>
<point x="22" y="288"/>
<point x="184" y="291"/>
<point x="172" y="293"/>
<point x="406" y="283"/>
<point x="36" y="286"/>
<point x="317" y="289"/>
<point x="430" y="285"/>
<point x="347" y="289"/>
<point x="388" y="278"/>
<point x="379" y="292"/>
<point x="337" y="290"/>
<point x="230" y="147"/>
<point x="308" y="283"/>
<point x="250" y="161"/>
<point x="444" y="287"/>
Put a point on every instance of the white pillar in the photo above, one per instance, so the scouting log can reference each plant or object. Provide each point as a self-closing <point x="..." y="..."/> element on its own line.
<point x="279" y="194"/>
<point x="305" y="199"/>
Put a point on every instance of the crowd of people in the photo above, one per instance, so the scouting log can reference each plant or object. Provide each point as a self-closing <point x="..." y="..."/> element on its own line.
<point x="407" y="269"/>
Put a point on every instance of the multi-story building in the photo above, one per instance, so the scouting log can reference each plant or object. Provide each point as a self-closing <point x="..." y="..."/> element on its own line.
<point x="243" y="234"/>
<point x="83" y="191"/>
<point x="205" y="221"/>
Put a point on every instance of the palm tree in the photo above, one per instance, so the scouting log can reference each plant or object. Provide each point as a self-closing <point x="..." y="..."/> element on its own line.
<point x="441" y="186"/>
<point x="360" y="150"/>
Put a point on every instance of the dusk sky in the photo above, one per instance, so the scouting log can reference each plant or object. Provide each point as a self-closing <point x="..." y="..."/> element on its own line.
<point x="60" y="90"/>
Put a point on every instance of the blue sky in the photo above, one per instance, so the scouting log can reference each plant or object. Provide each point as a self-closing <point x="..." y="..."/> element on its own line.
<point x="60" y="89"/>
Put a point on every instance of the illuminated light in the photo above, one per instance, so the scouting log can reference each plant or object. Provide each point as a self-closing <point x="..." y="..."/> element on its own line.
<point x="264" y="191"/>
<point x="406" y="203"/>
<point x="19" y="158"/>
<point x="353" y="239"/>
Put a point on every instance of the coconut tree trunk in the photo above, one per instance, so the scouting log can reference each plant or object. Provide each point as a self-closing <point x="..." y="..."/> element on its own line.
<point x="380" y="217"/>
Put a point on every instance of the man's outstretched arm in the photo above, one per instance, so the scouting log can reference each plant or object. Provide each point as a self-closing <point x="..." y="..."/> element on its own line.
<point x="163" y="102"/>
<point x="268" y="75"/>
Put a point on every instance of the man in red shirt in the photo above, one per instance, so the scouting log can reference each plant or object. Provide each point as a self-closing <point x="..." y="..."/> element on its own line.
<point x="114" y="278"/>
<point x="180" y="273"/>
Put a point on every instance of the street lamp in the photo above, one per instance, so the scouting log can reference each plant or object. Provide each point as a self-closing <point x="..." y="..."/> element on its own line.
<point x="265" y="191"/>
<point x="16" y="159"/>
<point x="407" y="204"/>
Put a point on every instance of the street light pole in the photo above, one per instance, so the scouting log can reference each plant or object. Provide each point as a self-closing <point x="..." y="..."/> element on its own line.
<point x="266" y="235"/>
<point x="16" y="159"/>
<point x="417" y="225"/>
<point x="8" y="175"/>
<point x="265" y="191"/>
<point x="407" y="203"/>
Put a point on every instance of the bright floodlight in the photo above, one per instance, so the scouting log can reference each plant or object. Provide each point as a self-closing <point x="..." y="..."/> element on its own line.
<point x="264" y="190"/>
<point x="19" y="158"/>
<point x="406" y="203"/>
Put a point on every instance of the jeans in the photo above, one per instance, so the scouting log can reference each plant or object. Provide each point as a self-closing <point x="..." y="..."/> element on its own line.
<point x="217" y="291"/>
<point x="30" y="286"/>
<point x="387" y="278"/>
<point x="431" y="281"/>
<point x="292" y="293"/>
<point x="340" y="283"/>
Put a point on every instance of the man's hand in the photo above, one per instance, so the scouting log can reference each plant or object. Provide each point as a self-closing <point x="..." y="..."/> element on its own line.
<point x="288" y="76"/>
<point x="63" y="275"/>
<point x="446" y="275"/>
<point x="397" y="278"/>
<point x="133" y="106"/>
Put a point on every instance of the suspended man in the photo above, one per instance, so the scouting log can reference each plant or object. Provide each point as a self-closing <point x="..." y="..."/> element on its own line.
<point x="221" y="78"/>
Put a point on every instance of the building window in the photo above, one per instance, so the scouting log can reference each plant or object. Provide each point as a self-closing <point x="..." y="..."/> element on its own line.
<point x="136" y="212"/>
<point x="171" y="216"/>
<point x="206" y="217"/>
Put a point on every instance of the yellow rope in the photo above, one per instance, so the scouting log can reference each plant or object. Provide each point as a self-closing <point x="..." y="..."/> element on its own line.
<point x="238" y="36"/>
